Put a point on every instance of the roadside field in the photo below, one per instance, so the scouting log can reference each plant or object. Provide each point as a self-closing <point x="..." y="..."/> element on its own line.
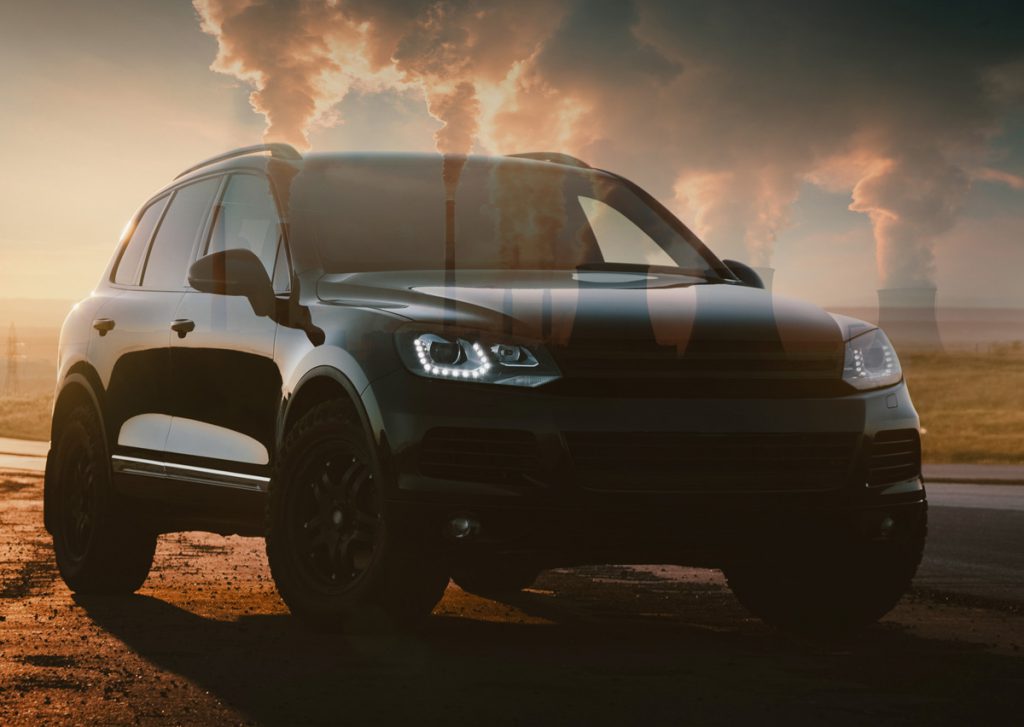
<point x="26" y="416"/>
<point x="971" y="404"/>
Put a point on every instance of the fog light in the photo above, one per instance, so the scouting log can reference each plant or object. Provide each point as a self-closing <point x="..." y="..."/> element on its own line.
<point x="461" y="527"/>
<point x="886" y="527"/>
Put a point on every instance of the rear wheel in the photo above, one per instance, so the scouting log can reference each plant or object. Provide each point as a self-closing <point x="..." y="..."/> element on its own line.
<point x="831" y="594"/>
<point x="98" y="548"/>
<point x="334" y="559"/>
<point x="496" y="577"/>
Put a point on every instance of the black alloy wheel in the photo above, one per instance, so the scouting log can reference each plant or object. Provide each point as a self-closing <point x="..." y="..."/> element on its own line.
<point x="336" y="562"/>
<point x="337" y="519"/>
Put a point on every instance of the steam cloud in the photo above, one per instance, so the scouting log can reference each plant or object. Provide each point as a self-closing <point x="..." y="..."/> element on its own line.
<point x="725" y="108"/>
<point x="910" y="199"/>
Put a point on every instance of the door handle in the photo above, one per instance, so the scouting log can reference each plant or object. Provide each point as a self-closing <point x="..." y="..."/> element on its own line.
<point x="183" y="326"/>
<point x="103" y="325"/>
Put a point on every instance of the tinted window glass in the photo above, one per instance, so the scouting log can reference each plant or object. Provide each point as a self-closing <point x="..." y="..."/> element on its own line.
<point x="169" y="258"/>
<point x="390" y="213"/>
<point x="127" y="272"/>
<point x="247" y="218"/>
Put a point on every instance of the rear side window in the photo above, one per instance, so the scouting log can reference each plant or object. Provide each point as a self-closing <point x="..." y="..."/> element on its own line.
<point x="127" y="271"/>
<point x="171" y="253"/>
<point x="247" y="218"/>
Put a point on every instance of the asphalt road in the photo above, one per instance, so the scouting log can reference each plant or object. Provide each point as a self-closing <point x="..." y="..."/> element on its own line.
<point x="975" y="542"/>
<point x="22" y="455"/>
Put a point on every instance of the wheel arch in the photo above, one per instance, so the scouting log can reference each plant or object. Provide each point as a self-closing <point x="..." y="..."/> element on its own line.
<point x="321" y="383"/>
<point x="81" y="385"/>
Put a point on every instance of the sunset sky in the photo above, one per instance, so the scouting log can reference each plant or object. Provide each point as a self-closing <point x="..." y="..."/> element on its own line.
<point x="847" y="149"/>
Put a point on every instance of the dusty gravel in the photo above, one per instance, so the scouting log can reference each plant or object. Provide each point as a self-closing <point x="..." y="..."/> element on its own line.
<point x="208" y="641"/>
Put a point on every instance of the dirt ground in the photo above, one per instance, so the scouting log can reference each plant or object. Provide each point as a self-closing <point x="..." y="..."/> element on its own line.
<point x="208" y="641"/>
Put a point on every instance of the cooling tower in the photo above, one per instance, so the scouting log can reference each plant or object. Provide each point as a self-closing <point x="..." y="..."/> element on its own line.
<point x="907" y="315"/>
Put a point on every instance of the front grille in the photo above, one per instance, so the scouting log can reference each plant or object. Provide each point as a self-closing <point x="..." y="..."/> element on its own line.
<point x="895" y="457"/>
<point x="501" y="456"/>
<point x="721" y="369"/>
<point x="721" y="462"/>
<point x="586" y="362"/>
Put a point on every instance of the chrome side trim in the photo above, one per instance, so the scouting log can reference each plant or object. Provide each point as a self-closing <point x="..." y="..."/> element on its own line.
<point x="176" y="471"/>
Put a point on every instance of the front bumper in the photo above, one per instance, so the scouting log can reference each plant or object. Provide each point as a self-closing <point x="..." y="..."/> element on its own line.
<point x="559" y="510"/>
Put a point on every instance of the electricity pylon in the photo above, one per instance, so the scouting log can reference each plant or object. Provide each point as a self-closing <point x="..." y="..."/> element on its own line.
<point x="13" y="354"/>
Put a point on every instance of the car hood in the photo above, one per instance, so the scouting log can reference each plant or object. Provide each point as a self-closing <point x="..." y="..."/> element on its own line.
<point x="595" y="308"/>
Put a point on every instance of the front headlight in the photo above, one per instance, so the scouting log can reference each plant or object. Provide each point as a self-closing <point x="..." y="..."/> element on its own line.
<point x="473" y="356"/>
<point x="871" y="361"/>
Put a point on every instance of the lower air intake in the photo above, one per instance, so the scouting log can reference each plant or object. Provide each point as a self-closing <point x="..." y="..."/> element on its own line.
<point x="895" y="456"/>
<point x="499" y="456"/>
<point x="716" y="462"/>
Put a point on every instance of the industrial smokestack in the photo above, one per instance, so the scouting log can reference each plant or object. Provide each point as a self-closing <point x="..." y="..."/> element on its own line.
<point x="907" y="315"/>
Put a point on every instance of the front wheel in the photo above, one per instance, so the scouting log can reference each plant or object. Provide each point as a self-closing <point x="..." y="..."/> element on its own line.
<point x="332" y="554"/>
<point x="832" y="593"/>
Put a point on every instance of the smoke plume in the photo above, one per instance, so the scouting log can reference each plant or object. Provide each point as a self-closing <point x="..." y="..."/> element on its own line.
<point x="303" y="56"/>
<point x="911" y="200"/>
<point x="724" y="108"/>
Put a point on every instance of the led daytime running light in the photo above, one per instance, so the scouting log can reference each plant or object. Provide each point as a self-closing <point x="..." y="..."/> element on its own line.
<point x="422" y="346"/>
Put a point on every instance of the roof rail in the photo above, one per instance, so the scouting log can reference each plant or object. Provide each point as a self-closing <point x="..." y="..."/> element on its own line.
<point x="554" y="157"/>
<point x="277" y="150"/>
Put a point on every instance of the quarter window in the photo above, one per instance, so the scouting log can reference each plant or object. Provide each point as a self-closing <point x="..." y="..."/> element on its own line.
<point x="282" y="271"/>
<point x="167" y="265"/>
<point x="127" y="271"/>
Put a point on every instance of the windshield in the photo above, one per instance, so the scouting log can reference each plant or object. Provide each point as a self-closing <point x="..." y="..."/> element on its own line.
<point x="432" y="213"/>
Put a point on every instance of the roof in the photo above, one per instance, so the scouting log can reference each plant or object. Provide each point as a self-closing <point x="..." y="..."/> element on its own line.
<point x="255" y="157"/>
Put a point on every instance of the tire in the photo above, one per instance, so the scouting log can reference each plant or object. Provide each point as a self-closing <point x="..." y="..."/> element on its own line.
<point x="335" y="562"/>
<point x="99" y="550"/>
<point x="495" y="578"/>
<point x="829" y="596"/>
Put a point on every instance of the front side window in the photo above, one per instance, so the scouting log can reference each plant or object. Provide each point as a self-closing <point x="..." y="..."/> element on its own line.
<point x="127" y="271"/>
<point x="169" y="257"/>
<point x="247" y="219"/>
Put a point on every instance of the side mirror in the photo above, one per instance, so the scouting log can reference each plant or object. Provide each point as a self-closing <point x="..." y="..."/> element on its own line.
<point x="747" y="275"/>
<point x="234" y="272"/>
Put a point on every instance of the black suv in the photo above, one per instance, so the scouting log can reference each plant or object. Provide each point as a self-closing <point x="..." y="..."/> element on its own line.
<point x="406" y="368"/>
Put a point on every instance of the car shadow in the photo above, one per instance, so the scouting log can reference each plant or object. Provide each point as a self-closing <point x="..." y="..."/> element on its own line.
<point x="557" y="667"/>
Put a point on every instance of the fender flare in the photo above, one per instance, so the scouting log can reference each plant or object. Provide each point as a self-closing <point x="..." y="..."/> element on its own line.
<point x="337" y="376"/>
